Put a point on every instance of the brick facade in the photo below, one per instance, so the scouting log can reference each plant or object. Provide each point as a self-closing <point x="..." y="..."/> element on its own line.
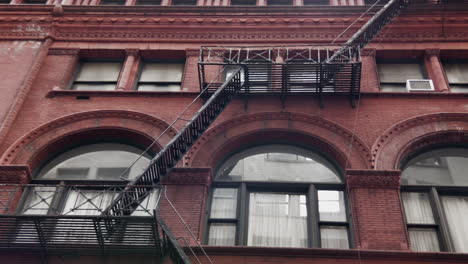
<point x="40" y="48"/>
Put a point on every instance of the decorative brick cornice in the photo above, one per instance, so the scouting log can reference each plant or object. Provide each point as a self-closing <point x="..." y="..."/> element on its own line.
<point x="189" y="176"/>
<point x="15" y="174"/>
<point x="10" y="155"/>
<point x="373" y="179"/>
<point x="336" y="132"/>
<point x="460" y="125"/>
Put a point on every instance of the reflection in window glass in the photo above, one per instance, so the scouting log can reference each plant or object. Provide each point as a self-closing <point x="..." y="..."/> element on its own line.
<point x="277" y="163"/>
<point x="446" y="166"/>
<point x="97" y="76"/>
<point x="276" y="220"/>
<point x="106" y="161"/>
<point x="331" y="206"/>
<point x="224" y="203"/>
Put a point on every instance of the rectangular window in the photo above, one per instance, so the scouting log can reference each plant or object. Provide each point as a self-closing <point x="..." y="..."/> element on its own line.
<point x="5" y="2"/>
<point x="223" y="217"/>
<point x="456" y="212"/>
<point x="97" y="76"/>
<point x="457" y="76"/>
<point x="277" y="220"/>
<point x="244" y="2"/>
<point x="422" y="228"/>
<point x="333" y="219"/>
<point x="160" y="77"/>
<point x="393" y="76"/>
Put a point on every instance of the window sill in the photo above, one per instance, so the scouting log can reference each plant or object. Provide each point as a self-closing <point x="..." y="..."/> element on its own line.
<point x="88" y="94"/>
<point x="414" y="94"/>
<point x="334" y="253"/>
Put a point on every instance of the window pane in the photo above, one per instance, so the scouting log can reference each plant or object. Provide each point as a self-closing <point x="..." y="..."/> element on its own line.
<point x="39" y="200"/>
<point x="457" y="73"/>
<point x="395" y="88"/>
<point x="106" y="161"/>
<point x="162" y="72"/>
<point x="417" y="208"/>
<point x="222" y="234"/>
<point x="334" y="237"/>
<point x="445" y="166"/>
<point x="159" y="87"/>
<point x="148" y="2"/>
<point x="456" y="211"/>
<point x="399" y="72"/>
<point x="275" y="220"/>
<point x="224" y="203"/>
<point x="93" y="87"/>
<point x="99" y="71"/>
<point x="331" y="206"/>
<point x="277" y="163"/>
<point x="424" y="239"/>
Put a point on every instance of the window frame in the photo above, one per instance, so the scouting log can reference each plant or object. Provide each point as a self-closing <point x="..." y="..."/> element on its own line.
<point x="85" y="60"/>
<point x="435" y="193"/>
<point x="455" y="85"/>
<point x="419" y="62"/>
<point x="142" y="63"/>
<point x="310" y="190"/>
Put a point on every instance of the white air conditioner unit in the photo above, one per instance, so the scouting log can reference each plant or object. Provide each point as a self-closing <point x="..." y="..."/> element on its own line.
<point x="419" y="85"/>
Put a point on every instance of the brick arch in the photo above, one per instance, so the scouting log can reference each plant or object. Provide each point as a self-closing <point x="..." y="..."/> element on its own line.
<point x="312" y="132"/>
<point x="411" y="135"/>
<point x="65" y="132"/>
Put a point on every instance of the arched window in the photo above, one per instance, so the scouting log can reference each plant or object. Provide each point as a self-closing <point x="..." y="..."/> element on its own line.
<point x="83" y="180"/>
<point x="435" y="200"/>
<point x="278" y="196"/>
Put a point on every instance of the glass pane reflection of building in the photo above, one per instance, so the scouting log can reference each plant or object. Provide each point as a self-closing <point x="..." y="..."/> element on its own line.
<point x="277" y="163"/>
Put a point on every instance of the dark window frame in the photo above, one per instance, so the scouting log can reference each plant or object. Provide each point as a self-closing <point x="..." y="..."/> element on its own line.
<point x="156" y="61"/>
<point x="419" y="62"/>
<point x="86" y="60"/>
<point x="310" y="190"/>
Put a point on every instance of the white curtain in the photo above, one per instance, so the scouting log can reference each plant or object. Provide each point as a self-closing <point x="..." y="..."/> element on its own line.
<point x="277" y="220"/>
<point x="423" y="239"/>
<point x="82" y="202"/>
<point x="222" y="234"/>
<point x="334" y="237"/>
<point x="224" y="203"/>
<point x="417" y="208"/>
<point x="456" y="211"/>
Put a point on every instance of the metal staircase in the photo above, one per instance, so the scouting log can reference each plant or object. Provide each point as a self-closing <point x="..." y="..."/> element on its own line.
<point x="311" y="69"/>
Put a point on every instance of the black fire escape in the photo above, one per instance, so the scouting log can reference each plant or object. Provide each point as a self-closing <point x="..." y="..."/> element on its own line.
<point x="225" y="72"/>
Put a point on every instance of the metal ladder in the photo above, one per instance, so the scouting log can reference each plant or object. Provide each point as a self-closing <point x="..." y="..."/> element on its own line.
<point x="167" y="158"/>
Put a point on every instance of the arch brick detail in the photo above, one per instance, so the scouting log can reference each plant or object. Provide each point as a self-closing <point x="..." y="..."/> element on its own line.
<point x="26" y="149"/>
<point x="412" y="134"/>
<point x="236" y="133"/>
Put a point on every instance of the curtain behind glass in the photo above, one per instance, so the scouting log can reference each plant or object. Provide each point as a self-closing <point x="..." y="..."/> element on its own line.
<point x="456" y="211"/>
<point x="277" y="220"/>
<point x="82" y="202"/>
<point x="424" y="239"/>
<point x="417" y="208"/>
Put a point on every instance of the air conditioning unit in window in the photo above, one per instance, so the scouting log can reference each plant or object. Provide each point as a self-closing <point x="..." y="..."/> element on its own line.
<point x="419" y="85"/>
